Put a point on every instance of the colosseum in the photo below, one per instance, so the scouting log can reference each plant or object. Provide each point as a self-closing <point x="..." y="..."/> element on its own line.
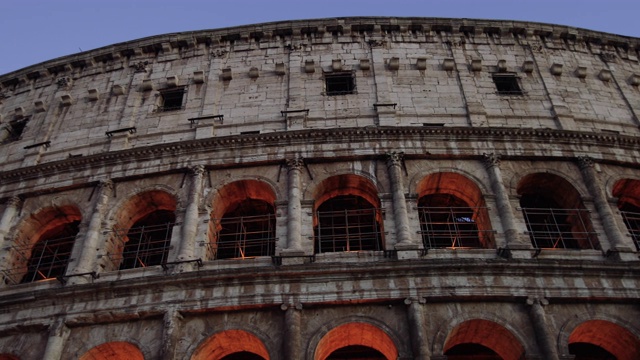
<point x="352" y="188"/>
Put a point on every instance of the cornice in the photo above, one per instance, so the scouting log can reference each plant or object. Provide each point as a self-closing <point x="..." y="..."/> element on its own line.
<point x="325" y="136"/>
<point x="142" y="49"/>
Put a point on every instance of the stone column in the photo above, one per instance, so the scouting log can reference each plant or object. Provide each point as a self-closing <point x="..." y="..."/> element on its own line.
<point x="170" y="333"/>
<point x="292" y="337"/>
<point x="294" y="208"/>
<point x="7" y="217"/>
<point x="58" y="334"/>
<point x="539" y="322"/>
<point x="611" y="229"/>
<point x="191" y="216"/>
<point x="400" y="217"/>
<point x="88" y="254"/>
<point x="417" y="331"/>
<point x="512" y="237"/>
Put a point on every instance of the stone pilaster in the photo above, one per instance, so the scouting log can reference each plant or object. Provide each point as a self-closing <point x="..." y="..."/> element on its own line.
<point x="545" y="340"/>
<point x="417" y="331"/>
<point x="87" y="259"/>
<point x="170" y="334"/>
<point x="191" y="216"/>
<point x="513" y="238"/>
<point x="8" y="215"/>
<point x="617" y="241"/>
<point x="294" y="208"/>
<point x="404" y="240"/>
<point x="58" y="335"/>
<point x="292" y="344"/>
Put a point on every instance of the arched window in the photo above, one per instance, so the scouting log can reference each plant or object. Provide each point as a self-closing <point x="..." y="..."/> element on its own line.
<point x="143" y="230"/>
<point x="43" y="247"/>
<point x="231" y="345"/>
<point x="356" y="340"/>
<point x="555" y="215"/>
<point x="482" y="339"/>
<point x="628" y="193"/>
<point x="243" y="222"/>
<point x="148" y="240"/>
<point x="603" y="340"/>
<point x="452" y="213"/>
<point x="117" y="350"/>
<point x="50" y="255"/>
<point x="347" y="216"/>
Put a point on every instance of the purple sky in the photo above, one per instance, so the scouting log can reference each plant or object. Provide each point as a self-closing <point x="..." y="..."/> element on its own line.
<point x="34" y="31"/>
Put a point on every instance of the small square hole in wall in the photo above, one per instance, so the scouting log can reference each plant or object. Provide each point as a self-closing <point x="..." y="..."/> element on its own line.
<point x="339" y="83"/>
<point x="507" y="84"/>
<point x="172" y="99"/>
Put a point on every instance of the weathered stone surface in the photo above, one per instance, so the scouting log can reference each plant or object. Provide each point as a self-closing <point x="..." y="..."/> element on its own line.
<point x="192" y="126"/>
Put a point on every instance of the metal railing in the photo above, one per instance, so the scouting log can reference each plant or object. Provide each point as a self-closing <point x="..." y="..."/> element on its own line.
<point x="632" y="221"/>
<point x="453" y="227"/>
<point x="243" y="237"/>
<point x="47" y="259"/>
<point x="348" y="230"/>
<point x="143" y="246"/>
<point x="560" y="228"/>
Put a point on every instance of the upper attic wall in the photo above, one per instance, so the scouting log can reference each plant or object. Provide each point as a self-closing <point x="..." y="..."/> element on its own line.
<point x="271" y="77"/>
<point x="306" y="29"/>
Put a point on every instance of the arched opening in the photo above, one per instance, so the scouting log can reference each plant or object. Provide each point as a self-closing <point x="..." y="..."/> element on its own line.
<point x="603" y="340"/>
<point x="453" y="213"/>
<point x="143" y="230"/>
<point x="43" y="246"/>
<point x="628" y="193"/>
<point x="482" y="339"/>
<point x="231" y="345"/>
<point x="356" y="340"/>
<point x="555" y="215"/>
<point x="347" y="215"/>
<point x="243" y="222"/>
<point x="117" y="350"/>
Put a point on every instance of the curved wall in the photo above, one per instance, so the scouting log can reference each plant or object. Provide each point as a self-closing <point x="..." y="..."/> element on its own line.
<point x="418" y="181"/>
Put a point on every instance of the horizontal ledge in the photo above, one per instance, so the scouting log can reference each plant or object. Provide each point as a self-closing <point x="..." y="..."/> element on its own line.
<point x="385" y="105"/>
<point x="285" y="112"/>
<point x="130" y="130"/>
<point x="219" y="117"/>
<point x="45" y="143"/>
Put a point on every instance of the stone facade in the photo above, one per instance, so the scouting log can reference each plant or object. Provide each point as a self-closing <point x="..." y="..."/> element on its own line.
<point x="525" y="135"/>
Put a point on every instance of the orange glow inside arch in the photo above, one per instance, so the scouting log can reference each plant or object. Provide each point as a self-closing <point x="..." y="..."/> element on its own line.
<point x="117" y="350"/>
<point x="229" y="342"/>
<point x="617" y="340"/>
<point x="356" y="333"/>
<point x="488" y="334"/>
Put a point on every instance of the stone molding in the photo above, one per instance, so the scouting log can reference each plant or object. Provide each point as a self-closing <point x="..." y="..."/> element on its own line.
<point x="321" y="135"/>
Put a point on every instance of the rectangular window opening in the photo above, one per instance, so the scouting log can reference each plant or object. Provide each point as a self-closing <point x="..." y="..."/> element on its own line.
<point x="172" y="99"/>
<point x="339" y="83"/>
<point x="15" y="129"/>
<point x="507" y="84"/>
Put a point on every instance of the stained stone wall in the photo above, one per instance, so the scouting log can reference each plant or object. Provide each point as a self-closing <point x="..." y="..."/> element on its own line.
<point x="90" y="138"/>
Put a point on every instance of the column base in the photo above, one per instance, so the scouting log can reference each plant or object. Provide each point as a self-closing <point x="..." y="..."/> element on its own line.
<point x="407" y="251"/>
<point x="622" y="253"/>
<point x="294" y="257"/>
<point x="516" y="251"/>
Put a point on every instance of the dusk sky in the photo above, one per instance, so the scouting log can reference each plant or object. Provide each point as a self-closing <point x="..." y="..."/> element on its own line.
<point x="39" y="30"/>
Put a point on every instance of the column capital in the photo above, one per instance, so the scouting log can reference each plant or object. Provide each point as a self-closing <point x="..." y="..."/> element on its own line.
<point x="295" y="163"/>
<point x="585" y="162"/>
<point x="105" y="185"/>
<point x="14" y="201"/>
<point x="197" y="170"/>
<point x="490" y="160"/>
<point x="533" y="300"/>
<point x="394" y="157"/>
